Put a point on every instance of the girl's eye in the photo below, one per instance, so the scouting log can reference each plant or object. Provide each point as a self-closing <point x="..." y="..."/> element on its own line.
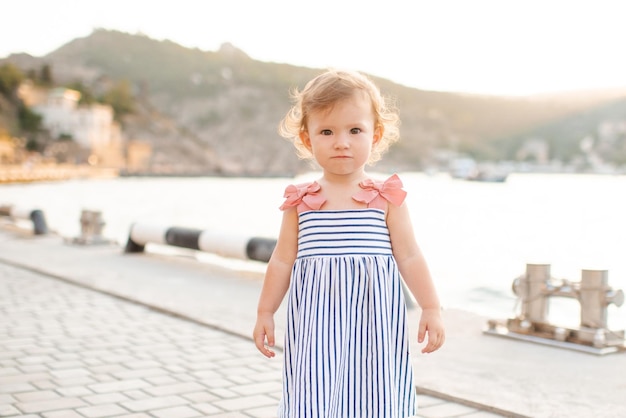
<point x="355" y="130"/>
<point x="326" y="132"/>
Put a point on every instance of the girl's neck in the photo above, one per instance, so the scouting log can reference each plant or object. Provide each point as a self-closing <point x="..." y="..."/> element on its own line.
<point x="343" y="179"/>
<point x="339" y="189"/>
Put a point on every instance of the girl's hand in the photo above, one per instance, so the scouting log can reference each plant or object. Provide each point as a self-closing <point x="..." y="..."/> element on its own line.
<point x="264" y="329"/>
<point x="431" y="323"/>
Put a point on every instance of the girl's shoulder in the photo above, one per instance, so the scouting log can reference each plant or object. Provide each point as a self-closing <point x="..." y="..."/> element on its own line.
<point x="376" y="193"/>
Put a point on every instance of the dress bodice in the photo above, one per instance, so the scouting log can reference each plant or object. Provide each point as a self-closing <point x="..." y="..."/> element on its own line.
<point x="326" y="233"/>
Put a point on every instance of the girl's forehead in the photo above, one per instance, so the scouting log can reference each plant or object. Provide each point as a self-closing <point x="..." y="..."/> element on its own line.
<point x="355" y="104"/>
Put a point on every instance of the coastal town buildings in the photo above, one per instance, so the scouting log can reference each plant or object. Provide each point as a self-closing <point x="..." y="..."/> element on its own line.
<point x="90" y="128"/>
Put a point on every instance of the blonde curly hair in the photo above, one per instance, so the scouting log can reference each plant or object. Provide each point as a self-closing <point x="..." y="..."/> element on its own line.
<point x="323" y="92"/>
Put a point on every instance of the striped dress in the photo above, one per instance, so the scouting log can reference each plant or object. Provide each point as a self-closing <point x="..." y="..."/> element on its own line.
<point x="346" y="341"/>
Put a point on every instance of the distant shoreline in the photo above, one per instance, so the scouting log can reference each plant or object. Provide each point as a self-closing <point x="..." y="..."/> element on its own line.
<point x="52" y="172"/>
<point x="11" y="174"/>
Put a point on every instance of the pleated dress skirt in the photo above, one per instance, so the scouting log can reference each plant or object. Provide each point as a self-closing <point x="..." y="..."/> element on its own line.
<point x="346" y="341"/>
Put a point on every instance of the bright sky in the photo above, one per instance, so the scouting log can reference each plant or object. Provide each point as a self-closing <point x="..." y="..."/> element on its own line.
<point x="502" y="47"/>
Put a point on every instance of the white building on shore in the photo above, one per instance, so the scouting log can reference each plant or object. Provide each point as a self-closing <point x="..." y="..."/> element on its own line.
<point x="92" y="127"/>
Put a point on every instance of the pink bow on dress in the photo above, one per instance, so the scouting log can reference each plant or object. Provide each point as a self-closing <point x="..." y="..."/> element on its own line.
<point x="305" y="196"/>
<point x="376" y="194"/>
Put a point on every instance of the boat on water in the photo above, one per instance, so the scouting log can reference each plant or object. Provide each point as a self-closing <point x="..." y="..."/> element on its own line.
<point x="468" y="169"/>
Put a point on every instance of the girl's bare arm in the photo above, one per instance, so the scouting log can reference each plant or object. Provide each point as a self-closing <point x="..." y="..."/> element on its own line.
<point x="276" y="281"/>
<point x="415" y="272"/>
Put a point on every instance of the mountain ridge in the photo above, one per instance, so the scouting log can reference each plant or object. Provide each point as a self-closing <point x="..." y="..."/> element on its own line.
<point x="218" y="111"/>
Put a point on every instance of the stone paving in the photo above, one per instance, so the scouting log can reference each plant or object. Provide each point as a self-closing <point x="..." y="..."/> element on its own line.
<point x="67" y="351"/>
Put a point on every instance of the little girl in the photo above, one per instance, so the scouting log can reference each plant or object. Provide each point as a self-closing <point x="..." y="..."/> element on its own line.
<point x="344" y="244"/>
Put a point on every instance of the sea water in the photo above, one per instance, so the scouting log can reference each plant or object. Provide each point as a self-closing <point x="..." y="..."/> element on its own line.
<point x="476" y="236"/>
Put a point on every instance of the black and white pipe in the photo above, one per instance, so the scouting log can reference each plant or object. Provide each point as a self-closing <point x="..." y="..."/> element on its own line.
<point x="40" y="227"/>
<point x="226" y="245"/>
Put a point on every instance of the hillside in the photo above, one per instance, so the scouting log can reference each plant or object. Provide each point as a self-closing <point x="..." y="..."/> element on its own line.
<point x="217" y="111"/>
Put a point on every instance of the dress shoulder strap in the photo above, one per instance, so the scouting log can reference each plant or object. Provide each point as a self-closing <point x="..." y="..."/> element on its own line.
<point x="376" y="194"/>
<point x="304" y="196"/>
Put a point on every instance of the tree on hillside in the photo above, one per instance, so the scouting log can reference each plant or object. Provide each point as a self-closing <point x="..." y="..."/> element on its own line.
<point x="29" y="120"/>
<point x="30" y="125"/>
<point x="86" y="94"/>
<point x="10" y="79"/>
<point x="121" y="98"/>
<point x="46" y="75"/>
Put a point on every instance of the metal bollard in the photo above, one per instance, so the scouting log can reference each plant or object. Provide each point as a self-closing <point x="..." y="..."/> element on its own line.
<point x="91" y="226"/>
<point x="531" y="288"/>
<point x="595" y="296"/>
<point x="593" y="293"/>
<point x="40" y="227"/>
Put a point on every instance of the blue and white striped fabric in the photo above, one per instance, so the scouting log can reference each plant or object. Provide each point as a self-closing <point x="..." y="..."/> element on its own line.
<point x="346" y="343"/>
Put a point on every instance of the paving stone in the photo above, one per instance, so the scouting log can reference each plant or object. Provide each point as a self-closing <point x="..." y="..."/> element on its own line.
<point x="64" y="356"/>
<point x="15" y="387"/>
<point x="34" y="368"/>
<point x="5" y="399"/>
<point x="162" y="380"/>
<point x="141" y="373"/>
<point x="105" y="398"/>
<point x="8" y="371"/>
<point x="175" y="389"/>
<point x="264" y="412"/>
<point x="240" y="380"/>
<point x="74" y="381"/>
<point x="482" y="414"/>
<point x="44" y="384"/>
<point x="245" y="402"/>
<point x="66" y="413"/>
<point x="177" y="412"/>
<point x="24" y="378"/>
<point x="207" y="408"/>
<point x="201" y="397"/>
<point x="67" y="364"/>
<point x="216" y="382"/>
<point x="74" y="391"/>
<point x="49" y="405"/>
<point x="137" y="394"/>
<point x="70" y="373"/>
<point x="118" y="386"/>
<point x="40" y="395"/>
<point x="257" y="388"/>
<point x="8" y="411"/>
<point x="154" y="403"/>
<point x="105" y="410"/>
<point x="145" y="364"/>
<point x="224" y="393"/>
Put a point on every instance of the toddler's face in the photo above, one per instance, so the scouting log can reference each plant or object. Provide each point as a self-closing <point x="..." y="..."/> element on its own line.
<point x="341" y="138"/>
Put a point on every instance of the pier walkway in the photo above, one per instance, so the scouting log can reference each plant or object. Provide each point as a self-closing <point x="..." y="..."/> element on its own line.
<point x="87" y="331"/>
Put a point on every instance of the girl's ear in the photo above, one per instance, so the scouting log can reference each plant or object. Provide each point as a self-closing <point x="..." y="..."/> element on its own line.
<point x="378" y="133"/>
<point x="305" y="139"/>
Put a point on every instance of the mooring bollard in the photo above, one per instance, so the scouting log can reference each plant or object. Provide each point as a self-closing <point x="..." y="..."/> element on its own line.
<point x="226" y="245"/>
<point x="91" y="226"/>
<point x="593" y="293"/>
<point x="35" y="215"/>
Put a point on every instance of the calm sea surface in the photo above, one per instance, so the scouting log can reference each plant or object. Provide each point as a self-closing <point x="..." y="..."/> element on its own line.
<point x="477" y="237"/>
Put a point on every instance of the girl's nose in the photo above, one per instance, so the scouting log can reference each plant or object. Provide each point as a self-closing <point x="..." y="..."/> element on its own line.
<point x="342" y="141"/>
